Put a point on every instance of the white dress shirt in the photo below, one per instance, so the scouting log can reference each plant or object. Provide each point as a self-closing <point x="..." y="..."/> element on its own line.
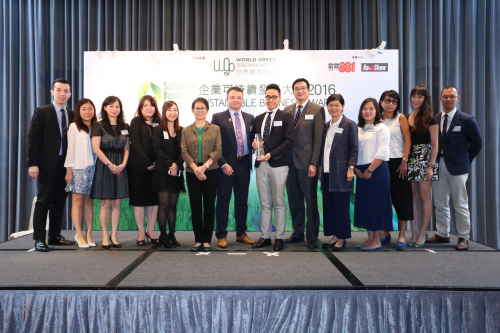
<point x="397" y="145"/>
<point x="297" y="107"/>
<point x="80" y="154"/>
<point x="328" y="144"/>
<point x="272" y="119"/>
<point x="450" y="114"/>
<point x="373" y="143"/>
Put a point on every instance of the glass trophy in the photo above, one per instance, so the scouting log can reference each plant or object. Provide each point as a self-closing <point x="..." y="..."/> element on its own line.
<point x="259" y="152"/>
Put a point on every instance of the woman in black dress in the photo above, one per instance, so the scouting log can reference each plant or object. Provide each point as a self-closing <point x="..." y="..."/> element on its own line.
<point x="111" y="145"/>
<point x="168" y="179"/>
<point x="140" y="168"/>
<point x="422" y="166"/>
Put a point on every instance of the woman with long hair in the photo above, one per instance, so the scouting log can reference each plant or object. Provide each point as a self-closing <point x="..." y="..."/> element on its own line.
<point x="201" y="147"/>
<point x="399" y="149"/>
<point x="80" y="168"/>
<point x="422" y="166"/>
<point x="168" y="179"/>
<point x="373" y="207"/>
<point x="110" y="140"/>
<point x="141" y="166"/>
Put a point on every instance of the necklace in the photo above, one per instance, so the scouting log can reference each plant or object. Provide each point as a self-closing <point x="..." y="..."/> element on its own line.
<point x="366" y="128"/>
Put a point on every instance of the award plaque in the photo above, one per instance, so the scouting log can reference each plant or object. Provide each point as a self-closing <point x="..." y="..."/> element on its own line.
<point x="259" y="152"/>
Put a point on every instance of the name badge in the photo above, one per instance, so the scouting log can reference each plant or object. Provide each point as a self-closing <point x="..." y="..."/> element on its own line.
<point x="124" y="132"/>
<point x="155" y="124"/>
<point x="339" y="130"/>
<point x="309" y="117"/>
<point x="457" y="128"/>
<point x="371" y="131"/>
<point x="165" y="135"/>
<point x="278" y="123"/>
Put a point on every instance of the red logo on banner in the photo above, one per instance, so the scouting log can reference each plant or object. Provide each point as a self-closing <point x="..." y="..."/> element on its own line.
<point x="347" y="67"/>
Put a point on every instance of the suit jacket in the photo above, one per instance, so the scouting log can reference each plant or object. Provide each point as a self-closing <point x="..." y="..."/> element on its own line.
<point x="281" y="138"/>
<point x="309" y="135"/>
<point x="165" y="152"/>
<point x="211" y="145"/>
<point x="44" y="138"/>
<point x="142" y="154"/>
<point x="344" y="152"/>
<point x="229" y="144"/>
<point x="459" y="147"/>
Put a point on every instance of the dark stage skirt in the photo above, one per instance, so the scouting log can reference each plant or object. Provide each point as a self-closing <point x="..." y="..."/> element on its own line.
<point x="373" y="206"/>
<point x="336" y="207"/>
<point x="163" y="182"/>
<point x="139" y="183"/>
<point x="402" y="198"/>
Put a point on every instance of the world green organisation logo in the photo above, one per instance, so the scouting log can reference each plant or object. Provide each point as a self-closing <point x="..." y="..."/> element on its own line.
<point x="152" y="90"/>
<point x="227" y="66"/>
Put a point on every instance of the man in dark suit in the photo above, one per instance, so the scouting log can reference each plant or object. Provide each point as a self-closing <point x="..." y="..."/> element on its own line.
<point x="302" y="182"/>
<point x="276" y="128"/>
<point x="236" y="162"/>
<point x="459" y="143"/>
<point x="47" y="145"/>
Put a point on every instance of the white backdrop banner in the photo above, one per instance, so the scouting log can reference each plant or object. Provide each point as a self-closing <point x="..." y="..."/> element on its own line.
<point x="186" y="75"/>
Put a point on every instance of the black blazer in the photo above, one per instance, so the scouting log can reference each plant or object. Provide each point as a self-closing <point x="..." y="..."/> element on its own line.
<point x="165" y="153"/>
<point x="142" y="154"/>
<point x="459" y="147"/>
<point x="281" y="138"/>
<point x="44" y="138"/>
<point x="229" y="144"/>
<point x="344" y="152"/>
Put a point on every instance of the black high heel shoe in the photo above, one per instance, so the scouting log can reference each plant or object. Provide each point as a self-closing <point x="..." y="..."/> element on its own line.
<point x="152" y="240"/>
<point x="117" y="245"/>
<point x="173" y="240"/>
<point x="167" y="243"/>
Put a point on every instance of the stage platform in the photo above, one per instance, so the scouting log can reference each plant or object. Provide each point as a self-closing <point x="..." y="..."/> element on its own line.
<point x="238" y="289"/>
<point x="436" y="266"/>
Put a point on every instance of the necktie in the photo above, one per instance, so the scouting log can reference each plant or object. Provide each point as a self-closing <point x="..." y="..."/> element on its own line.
<point x="239" y="135"/>
<point x="64" y="133"/>
<point x="297" y="116"/>
<point x="445" y="125"/>
<point x="267" y="131"/>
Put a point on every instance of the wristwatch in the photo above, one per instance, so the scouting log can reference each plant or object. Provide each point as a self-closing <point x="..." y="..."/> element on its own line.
<point x="369" y="170"/>
<point x="351" y="166"/>
<point x="405" y="159"/>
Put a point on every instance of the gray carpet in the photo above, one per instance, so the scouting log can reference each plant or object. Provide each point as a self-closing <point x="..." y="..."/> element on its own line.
<point x="226" y="269"/>
<point x="440" y="269"/>
<point x="62" y="268"/>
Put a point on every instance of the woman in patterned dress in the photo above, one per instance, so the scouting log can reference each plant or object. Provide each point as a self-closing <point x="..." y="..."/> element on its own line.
<point x="111" y="145"/>
<point x="80" y="170"/>
<point x="422" y="166"/>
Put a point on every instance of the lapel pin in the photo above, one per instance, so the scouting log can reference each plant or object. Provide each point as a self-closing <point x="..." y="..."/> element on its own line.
<point x="229" y="119"/>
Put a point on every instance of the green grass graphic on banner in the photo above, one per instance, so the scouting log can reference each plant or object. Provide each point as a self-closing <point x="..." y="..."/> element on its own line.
<point x="127" y="221"/>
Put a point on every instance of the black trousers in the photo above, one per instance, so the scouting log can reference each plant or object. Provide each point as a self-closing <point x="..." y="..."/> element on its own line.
<point x="301" y="188"/>
<point x="240" y="181"/>
<point x="202" y="198"/>
<point x="51" y="198"/>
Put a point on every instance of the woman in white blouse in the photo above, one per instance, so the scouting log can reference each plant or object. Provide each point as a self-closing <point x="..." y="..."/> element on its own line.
<point x="373" y="207"/>
<point x="80" y="167"/>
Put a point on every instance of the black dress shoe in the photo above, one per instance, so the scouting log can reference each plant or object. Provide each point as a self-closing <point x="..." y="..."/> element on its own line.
<point x="41" y="246"/>
<point x="165" y="241"/>
<point x="197" y="248"/>
<point x="292" y="239"/>
<point x="173" y="240"/>
<point x="117" y="245"/>
<point x="278" y="245"/>
<point x="312" y="244"/>
<point x="262" y="242"/>
<point x="206" y="248"/>
<point x="61" y="240"/>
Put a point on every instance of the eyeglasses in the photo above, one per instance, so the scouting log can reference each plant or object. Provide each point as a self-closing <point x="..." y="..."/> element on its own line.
<point x="271" y="97"/>
<point x="390" y="101"/>
<point x="299" y="88"/>
<point x="200" y="109"/>
<point x="449" y="96"/>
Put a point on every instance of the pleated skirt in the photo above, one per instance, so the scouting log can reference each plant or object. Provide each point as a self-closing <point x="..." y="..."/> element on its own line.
<point x="373" y="205"/>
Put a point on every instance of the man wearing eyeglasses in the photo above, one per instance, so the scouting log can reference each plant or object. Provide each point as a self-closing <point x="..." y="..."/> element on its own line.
<point x="236" y="129"/>
<point x="276" y="128"/>
<point x="309" y="122"/>
<point x="459" y="143"/>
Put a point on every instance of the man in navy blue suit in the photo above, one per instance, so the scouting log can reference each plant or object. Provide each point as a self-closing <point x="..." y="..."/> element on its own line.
<point x="459" y="143"/>
<point x="236" y="162"/>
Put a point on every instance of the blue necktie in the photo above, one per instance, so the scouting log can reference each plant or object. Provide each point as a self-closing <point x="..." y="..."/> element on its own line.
<point x="267" y="131"/>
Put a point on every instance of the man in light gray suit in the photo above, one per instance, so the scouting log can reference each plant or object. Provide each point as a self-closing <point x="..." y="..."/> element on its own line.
<point x="302" y="182"/>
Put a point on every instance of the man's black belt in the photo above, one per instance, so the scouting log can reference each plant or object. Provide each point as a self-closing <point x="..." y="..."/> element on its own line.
<point x="242" y="157"/>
